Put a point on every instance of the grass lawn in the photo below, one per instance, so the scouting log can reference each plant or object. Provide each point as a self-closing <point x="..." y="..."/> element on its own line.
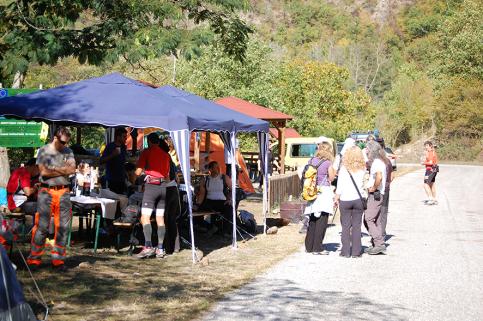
<point x="114" y="286"/>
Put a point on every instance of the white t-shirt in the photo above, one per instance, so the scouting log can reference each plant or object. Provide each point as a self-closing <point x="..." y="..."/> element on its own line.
<point x="214" y="188"/>
<point x="346" y="189"/>
<point x="337" y="160"/>
<point x="377" y="166"/>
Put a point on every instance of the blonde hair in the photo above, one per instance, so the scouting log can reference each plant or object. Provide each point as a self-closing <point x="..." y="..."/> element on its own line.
<point x="353" y="159"/>
<point x="325" y="151"/>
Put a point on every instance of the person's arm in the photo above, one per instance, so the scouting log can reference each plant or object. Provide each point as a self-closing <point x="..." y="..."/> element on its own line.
<point x="54" y="171"/>
<point x="377" y="182"/>
<point x="201" y="193"/>
<point x="331" y="173"/>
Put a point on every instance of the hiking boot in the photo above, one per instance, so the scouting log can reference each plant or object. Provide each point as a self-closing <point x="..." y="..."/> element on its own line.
<point x="146" y="252"/>
<point x="160" y="253"/>
<point x="303" y="230"/>
<point x="367" y="249"/>
<point x="377" y="250"/>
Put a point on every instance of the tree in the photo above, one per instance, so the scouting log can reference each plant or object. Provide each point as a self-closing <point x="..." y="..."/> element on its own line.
<point x="97" y="31"/>
<point x="316" y="95"/>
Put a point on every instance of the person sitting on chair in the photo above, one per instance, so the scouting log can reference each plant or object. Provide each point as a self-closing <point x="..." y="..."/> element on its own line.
<point x="215" y="194"/>
<point x="21" y="192"/>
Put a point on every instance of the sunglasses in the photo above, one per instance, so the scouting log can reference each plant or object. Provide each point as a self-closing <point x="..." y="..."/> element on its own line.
<point x="61" y="141"/>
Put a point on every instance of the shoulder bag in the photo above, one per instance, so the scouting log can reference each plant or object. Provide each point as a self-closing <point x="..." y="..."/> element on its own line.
<point x="363" y="200"/>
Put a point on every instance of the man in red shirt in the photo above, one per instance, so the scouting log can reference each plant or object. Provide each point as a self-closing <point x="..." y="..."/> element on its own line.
<point x="155" y="163"/>
<point x="430" y="161"/>
<point x="20" y="187"/>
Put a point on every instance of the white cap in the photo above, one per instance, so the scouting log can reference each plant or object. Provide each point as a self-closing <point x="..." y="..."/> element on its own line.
<point x="322" y="139"/>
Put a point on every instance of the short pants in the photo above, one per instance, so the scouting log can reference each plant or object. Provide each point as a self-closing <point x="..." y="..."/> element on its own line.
<point x="429" y="176"/>
<point x="154" y="198"/>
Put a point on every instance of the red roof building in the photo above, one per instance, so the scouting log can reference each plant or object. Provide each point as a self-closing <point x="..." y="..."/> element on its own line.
<point x="275" y="118"/>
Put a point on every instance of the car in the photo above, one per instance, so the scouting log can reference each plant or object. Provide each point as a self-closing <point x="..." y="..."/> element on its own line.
<point x="392" y="157"/>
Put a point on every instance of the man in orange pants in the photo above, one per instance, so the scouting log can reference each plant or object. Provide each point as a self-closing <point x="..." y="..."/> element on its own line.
<point x="56" y="162"/>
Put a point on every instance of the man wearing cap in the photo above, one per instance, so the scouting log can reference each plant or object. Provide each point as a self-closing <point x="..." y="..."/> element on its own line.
<point x="56" y="162"/>
<point x="154" y="161"/>
<point x="20" y="188"/>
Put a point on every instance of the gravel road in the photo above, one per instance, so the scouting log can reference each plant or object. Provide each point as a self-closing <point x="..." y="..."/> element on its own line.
<point x="433" y="269"/>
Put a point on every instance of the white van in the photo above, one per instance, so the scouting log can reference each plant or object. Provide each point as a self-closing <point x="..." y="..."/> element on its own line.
<point x="298" y="151"/>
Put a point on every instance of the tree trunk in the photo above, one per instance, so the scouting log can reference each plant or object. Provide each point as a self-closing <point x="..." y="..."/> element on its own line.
<point x="18" y="80"/>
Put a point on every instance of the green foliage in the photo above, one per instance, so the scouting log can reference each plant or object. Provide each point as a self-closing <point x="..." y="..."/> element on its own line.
<point x="94" y="31"/>
<point x="461" y="41"/>
<point x="406" y="111"/>
<point x="316" y="95"/>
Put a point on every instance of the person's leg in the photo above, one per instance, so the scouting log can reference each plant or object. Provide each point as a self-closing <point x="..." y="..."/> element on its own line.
<point x="118" y="187"/>
<point x="41" y="227"/>
<point x="147" y="206"/>
<point x="309" y="237"/>
<point x="356" y="222"/>
<point x="62" y="218"/>
<point x="160" y="219"/>
<point x="372" y="212"/>
<point x="324" y="218"/>
<point x="345" y="221"/>
<point x="172" y="205"/>
<point x="433" y="186"/>
<point x="427" y="187"/>
<point x="320" y="228"/>
<point x="382" y="219"/>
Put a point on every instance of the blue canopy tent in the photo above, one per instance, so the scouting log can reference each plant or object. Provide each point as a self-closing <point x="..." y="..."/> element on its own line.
<point x="115" y="100"/>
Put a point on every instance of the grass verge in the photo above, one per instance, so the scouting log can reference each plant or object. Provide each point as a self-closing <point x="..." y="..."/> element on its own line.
<point x="114" y="286"/>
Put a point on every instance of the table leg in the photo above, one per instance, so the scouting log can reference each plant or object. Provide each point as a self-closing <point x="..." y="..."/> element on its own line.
<point x="98" y="223"/>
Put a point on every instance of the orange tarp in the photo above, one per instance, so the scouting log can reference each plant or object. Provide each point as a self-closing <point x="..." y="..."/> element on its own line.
<point x="216" y="153"/>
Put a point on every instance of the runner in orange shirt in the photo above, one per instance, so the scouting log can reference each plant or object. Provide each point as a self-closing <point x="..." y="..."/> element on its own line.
<point x="431" y="163"/>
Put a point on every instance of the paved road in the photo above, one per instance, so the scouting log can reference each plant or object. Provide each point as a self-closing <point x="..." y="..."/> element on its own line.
<point x="433" y="269"/>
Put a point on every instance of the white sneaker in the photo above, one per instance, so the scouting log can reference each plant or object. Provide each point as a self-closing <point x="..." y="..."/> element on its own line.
<point x="160" y="253"/>
<point x="146" y="252"/>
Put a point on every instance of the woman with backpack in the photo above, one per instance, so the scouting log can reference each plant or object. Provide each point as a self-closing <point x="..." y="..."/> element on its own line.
<point x="349" y="198"/>
<point x="320" y="208"/>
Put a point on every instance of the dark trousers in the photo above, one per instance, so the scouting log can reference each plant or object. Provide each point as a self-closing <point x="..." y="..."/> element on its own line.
<point x="316" y="233"/>
<point x="371" y="217"/>
<point x="171" y="213"/>
<point x="382" y="219"/>
<point x="118" y="187"/>
<point x="219" y="206"/>
<point x="351" y="221"/>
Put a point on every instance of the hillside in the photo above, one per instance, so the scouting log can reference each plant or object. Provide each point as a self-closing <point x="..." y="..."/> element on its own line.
<point x="410" y="68"/>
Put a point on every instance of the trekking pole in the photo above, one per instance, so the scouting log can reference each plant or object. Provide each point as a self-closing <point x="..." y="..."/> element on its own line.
<point x="333" y="216"/>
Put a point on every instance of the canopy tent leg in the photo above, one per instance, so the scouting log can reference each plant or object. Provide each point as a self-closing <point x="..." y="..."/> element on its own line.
<point x="181" y="141"/>
<point x="263" y="156"/>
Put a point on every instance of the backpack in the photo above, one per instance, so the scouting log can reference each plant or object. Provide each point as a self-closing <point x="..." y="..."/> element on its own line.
<point x="309" y="181"/>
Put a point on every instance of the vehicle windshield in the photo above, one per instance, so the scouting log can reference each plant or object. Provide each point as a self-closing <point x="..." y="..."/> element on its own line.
<point x="303" y="150"/>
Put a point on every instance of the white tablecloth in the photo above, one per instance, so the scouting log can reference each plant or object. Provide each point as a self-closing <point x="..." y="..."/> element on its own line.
<point x="108" y="206"/>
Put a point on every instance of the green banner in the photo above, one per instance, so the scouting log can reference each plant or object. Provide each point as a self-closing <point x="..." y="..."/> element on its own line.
<point x="20" y="133"/>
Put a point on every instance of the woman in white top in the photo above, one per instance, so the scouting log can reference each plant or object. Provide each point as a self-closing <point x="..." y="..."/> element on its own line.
<point x="215" y="194"/>
<point x="350" y="203"/>
<point x="376" y="188"/>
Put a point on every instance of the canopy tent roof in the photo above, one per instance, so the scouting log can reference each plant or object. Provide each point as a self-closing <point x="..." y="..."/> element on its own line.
<point x="204" y="114"/>
<point x="252" y="109"/>
<point x="114" y="100"/>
